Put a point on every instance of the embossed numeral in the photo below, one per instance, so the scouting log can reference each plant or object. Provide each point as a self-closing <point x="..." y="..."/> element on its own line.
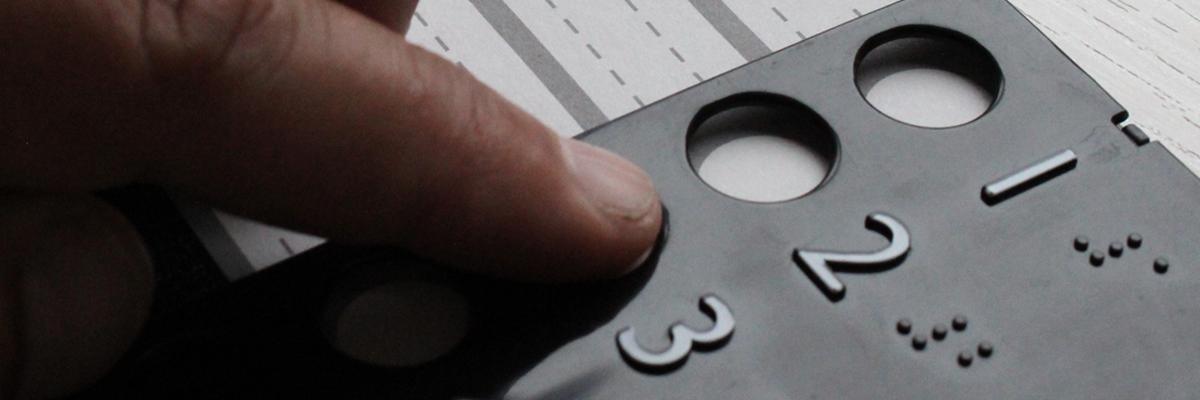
<point x="819" y="265"/>
<point x="682" y="338"/>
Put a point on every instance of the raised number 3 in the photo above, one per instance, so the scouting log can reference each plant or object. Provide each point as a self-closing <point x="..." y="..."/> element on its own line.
<point x="682" y="338"/>
<point x="819" y="265"/>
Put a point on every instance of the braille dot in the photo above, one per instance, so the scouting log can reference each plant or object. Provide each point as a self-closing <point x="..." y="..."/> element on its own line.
<point x="904" y="326"/>
<point x="965" y="358"/>
<point x="940" y="331"/>
<point x="986" y="349"/>
<point x="1097" y="258"/>
<point x="1082" y="243"/>
<point x="1161" y="265"/>
<point x="919" y="342"/>
<point x="1116" y="249"/>
<point x="959" y="323"/>
<point x="1134" y="241"/>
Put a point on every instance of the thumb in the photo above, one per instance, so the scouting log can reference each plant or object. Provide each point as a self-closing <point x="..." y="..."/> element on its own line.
<point x="310" y="115"/>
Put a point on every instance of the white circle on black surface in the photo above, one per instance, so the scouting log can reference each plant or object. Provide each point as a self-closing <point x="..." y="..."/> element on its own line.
<point x="401" y="324"/>
<point x="761" y="148"/>
<point x="928" y="77"/>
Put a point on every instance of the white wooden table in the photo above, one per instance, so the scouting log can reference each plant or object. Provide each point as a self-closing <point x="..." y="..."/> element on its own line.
<point x="1146" y="53"/>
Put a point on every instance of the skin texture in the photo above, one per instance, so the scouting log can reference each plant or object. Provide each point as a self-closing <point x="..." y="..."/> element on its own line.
<point x="311" y="114"/>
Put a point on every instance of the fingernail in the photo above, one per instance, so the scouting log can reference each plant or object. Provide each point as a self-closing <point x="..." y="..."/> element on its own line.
<point x="641" y="259"/>
<point x="614" y="185"/>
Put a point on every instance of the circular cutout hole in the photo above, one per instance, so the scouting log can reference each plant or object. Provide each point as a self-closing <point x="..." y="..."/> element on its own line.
<point x="761" y="148"/>
<point x="402" y="323"/>
<point x="928" y="77"/>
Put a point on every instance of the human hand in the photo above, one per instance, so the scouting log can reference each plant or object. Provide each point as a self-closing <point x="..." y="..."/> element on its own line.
<point x="311" y="114"/>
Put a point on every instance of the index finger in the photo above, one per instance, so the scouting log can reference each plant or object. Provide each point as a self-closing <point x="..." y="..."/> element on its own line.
<point x="308" y="115"/>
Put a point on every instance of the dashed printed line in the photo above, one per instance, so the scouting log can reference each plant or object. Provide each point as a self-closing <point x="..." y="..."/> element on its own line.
<point x="653" y="29"/>
<point x="592" y="48"/>
<point x="674" y="52"/>
<point x="801" y="35"/>
<point x="857" y="13"/>
<point x="639" y="101"/>
<point x="617" y="76"/>
<point x="594" y="52"/>
<point x="286" y="247"/>
<point x="441" y="43"/>
<point x="544" y="65"/>
<point x="779" y="14"/>
<point x="677" y="55"/>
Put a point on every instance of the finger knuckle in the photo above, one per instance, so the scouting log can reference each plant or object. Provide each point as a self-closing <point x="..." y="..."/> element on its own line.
<point x="209" y="39"/>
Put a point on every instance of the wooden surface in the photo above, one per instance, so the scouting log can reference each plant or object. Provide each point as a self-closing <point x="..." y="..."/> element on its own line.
<point x="1146" y="53"/>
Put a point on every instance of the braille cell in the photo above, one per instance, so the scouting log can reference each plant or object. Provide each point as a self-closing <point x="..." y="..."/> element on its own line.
<point x="1097" y="258"/>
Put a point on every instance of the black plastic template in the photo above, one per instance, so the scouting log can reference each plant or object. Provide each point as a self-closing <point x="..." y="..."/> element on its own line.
<point x="1044" y="250"/>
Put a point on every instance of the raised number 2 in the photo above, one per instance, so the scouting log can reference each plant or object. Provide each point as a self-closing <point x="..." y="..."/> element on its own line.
<point x="682" y="338"/>
<point x="819" y="265"/>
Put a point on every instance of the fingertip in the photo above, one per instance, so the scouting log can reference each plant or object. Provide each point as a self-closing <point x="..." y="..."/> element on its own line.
<point x="579" y="214"/>
<point x="616" y="187"/>
<point x="650" y="227"/>
<point x="624" y="198"/>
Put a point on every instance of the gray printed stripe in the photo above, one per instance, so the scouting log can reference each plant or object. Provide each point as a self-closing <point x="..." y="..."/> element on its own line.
<point x="541" y="62"/>
<point x="732" y="28"/>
